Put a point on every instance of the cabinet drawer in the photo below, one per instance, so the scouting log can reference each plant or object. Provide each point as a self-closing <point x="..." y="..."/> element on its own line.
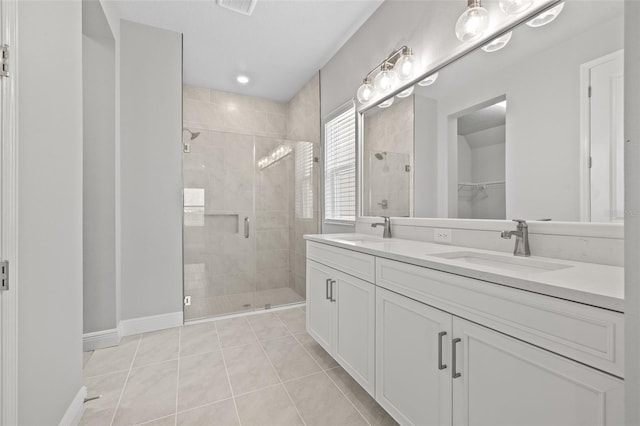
<point x="587" y="334"/>
<point x="359" y="265"/>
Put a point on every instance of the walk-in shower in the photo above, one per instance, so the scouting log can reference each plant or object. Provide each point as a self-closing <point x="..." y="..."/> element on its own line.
<point x="247" y="202"/>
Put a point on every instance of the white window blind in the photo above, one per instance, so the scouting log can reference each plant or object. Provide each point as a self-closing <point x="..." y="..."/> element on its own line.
<point x="340" y="166"/>
<point x="304" y="180"/>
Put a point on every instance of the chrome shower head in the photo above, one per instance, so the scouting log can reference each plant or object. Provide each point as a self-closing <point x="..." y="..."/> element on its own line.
<point x="193" y="134"/>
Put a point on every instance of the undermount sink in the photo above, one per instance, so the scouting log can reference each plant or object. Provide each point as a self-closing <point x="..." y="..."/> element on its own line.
<point x="515" y="264"/>
<point x="359" y="239"/>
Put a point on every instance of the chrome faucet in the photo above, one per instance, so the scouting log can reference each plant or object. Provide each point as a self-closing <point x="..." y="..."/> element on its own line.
<point x="522" y="238"/>
<point x="387" y="226"/>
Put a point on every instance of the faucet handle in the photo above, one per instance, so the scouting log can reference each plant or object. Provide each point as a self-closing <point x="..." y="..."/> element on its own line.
<point x="521" y="222"/>
<point x="386" y="218"/>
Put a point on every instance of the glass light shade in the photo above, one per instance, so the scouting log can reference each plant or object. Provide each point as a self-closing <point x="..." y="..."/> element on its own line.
<point x="546" y="17"/>
<point x="384" y="80"/>
<point x="429" y="80"/>
<point x="365" y="92"/>
<point x="386" y="104"/>
<point x="405" y="92"/>
<point x="472" y="24"/>
<point x="404" y="67"/>
<point x="497" y="43"/>
<point x="513" y="7"/>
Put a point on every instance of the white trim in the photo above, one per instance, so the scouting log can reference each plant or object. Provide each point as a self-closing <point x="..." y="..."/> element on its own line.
<point x="150" y="323"/>
<point x="9" y="218"/>
<point x="246" y="314"/>
<point x="75" y="410"/>
<point x="100" y="339"/>
<point x="585" y="132"/>
<point x="578" y="229"/>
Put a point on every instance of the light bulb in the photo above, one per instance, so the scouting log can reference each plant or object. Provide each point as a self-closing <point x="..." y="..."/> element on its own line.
<point x="365" y="91"/>
<point x="513" y="7"/>
<point x="497" y="43"/>
<point x="472" y="24"/>
<point x="546" y="17"/>
<point x="429" y="80"/>
<point x="405" y="92"/>
<point x="405" y="66"/>
<point x="242" y="79"/>
<point x="384" y="80"/>
<point x="387" y="103"/>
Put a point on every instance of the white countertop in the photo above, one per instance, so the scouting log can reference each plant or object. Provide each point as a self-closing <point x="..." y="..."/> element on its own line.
<point x="588" y="283"/>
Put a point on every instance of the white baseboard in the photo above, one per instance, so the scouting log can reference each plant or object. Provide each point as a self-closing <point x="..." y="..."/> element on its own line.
<point x="76" y="409"/>
<point x="152" y="323"/>
<point x="100" y="339"/>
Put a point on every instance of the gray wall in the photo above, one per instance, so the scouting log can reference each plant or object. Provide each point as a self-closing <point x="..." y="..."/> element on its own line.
<point x="150" y="170"/>
<point x="50" y="206"/>
<point x="632" y="211"/>
<point x="99" y="274"/>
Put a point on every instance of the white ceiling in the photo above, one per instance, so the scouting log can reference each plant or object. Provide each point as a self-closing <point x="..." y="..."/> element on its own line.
<point x="280" y="46"/>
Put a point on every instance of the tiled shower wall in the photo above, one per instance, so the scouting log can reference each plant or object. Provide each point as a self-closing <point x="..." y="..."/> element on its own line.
<point x="303" y="124"/>
<point x="222" y="161"/>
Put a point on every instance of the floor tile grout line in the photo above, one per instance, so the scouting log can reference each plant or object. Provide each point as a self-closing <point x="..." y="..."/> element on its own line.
<point x="276" y="371"/>
<point x="226" y="370"/>
<point x="126" y="381"/>
<point x="325" y="373"/>
<point x="175" y="418"/>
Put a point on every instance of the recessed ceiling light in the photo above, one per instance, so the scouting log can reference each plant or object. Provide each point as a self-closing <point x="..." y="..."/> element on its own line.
<point x="242" y="79"/>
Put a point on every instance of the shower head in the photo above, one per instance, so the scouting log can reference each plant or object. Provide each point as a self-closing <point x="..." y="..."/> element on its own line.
<point x="193" y="134"/>
<point x="380" y="155"/>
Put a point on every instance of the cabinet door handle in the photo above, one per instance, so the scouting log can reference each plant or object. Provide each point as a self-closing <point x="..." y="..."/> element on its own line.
<point x="326" y="289"/>
<point x="441" y="366"/>
<point x="454" y="373"/>
<point x="331" y="297"/>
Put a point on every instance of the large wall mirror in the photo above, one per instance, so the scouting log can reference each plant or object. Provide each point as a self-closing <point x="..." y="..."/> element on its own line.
<point x="532" y="130"/>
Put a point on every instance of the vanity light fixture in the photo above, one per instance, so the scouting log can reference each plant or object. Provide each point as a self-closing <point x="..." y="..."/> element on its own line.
<point x="429" y="80"/>
<point x="497" y="43"/>
<point x="513" y="7"/>
<point x="405" y="93"/>
<point x="387" y="103"/>
<point x="399" y="65"/>
<point x="546" y="17"/>
<point x="242" y="79"/>
<point x="473" y="22"/>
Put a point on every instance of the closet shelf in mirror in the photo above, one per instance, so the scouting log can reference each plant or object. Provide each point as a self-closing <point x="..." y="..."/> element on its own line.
<point x="477" y="185"/>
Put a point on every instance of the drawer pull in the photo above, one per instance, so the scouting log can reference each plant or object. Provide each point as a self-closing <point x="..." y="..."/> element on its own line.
<point x="454" y="373"/>
<point x="331" y="296"/>
<point x="326" y="288"/>
<point x="441" y="366"/>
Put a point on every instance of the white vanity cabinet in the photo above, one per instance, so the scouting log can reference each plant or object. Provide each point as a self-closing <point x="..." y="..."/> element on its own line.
<point x="341" y="315"/>
<point x="455" y="350"/>
<point x="434" y="368"/>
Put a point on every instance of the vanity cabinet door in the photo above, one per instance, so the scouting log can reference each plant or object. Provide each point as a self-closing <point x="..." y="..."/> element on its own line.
<point x="354" y="349"/>
<point x="413" y="369"/>
<point x="319" y="305"/>
<point x="504" y="381"/>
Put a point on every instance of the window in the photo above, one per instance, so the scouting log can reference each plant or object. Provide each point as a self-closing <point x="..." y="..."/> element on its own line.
<point x="340" y="166"/>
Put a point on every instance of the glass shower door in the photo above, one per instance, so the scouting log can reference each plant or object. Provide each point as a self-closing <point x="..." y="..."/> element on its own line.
<point x="241" y="229"/>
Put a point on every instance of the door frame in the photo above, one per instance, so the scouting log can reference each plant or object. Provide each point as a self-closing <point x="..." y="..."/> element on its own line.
<point x="585" y="132"/>
<point x="9" y="218"/>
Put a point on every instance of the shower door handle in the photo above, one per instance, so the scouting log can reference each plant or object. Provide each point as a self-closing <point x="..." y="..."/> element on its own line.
<point x="246" y="227"/>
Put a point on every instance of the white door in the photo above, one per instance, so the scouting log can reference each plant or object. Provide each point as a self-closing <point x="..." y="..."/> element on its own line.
<point x="606" y="81"/>
<point x="413" y="369"/>
<point x="354" y="332"/>
<point x="319" y="305"/>
<point x="504" y="381"/>
<point x="8" y="220"/>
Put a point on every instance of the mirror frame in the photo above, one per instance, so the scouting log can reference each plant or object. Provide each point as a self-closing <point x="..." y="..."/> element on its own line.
<point x="585" y="229"/>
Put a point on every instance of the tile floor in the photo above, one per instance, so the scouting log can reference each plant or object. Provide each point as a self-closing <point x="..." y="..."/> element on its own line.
<point x="261" y="369"/>
<point x="204" y="306"/>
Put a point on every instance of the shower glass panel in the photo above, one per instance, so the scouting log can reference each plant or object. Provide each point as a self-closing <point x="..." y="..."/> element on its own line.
<point x="247" y="202"/>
